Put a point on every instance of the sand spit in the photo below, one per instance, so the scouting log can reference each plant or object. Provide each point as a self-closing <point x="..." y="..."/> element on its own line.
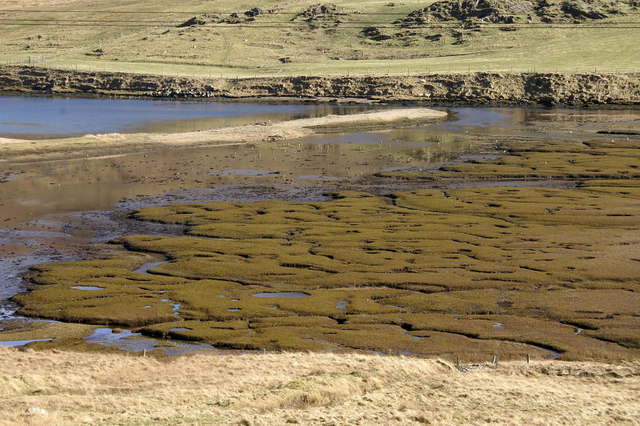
<point x="115" y="143"/>
<point x="308" y="388"/>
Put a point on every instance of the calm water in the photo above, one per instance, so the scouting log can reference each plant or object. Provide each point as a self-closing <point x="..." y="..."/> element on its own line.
<point x="38" y="117"/>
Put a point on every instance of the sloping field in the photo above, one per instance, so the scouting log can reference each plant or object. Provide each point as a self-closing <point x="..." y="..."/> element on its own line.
<point x="266" y="389"/>
<point x="246" y="39"/>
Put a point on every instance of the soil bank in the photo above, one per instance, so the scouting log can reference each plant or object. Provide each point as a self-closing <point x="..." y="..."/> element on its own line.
<point x="476" y="87"/>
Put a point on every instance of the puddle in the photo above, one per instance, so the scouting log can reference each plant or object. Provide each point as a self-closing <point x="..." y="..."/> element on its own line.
<point x="234" y="309"/>
<point x="87" y="287"/>
<point x="101" y="335"/>
<point x="272" y="307"/>
<point x="180" y="329"/>
<point x="186" y="348"/>
<point x="342" y="304"/>
<point x="144" y="268"/>
<point x="579" y="331"/>
<point x="133" y="342"/>
<point x="235" y="300"/>
<point x="415" y="337"/>
<point x="14" y="343"/>
<point x="146" y="307"/>
<point x="176" y="306"/>
<point x="498" y="325"/>
<point x="284" y="294"/>
<point x="553" y="354"/>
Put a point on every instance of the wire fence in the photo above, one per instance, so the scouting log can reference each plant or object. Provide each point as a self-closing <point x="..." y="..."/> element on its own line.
<point x="30" y="60"/>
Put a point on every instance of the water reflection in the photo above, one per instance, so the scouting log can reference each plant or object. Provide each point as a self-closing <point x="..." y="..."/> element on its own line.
<point x="45" y="117"/>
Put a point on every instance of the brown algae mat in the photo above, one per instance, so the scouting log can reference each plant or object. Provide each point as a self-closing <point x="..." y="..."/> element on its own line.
<point x="308" y="388"/>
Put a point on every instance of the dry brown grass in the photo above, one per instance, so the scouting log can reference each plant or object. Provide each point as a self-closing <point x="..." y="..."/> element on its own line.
<point x="267" y="389"/>
<point x="18" y="4"/>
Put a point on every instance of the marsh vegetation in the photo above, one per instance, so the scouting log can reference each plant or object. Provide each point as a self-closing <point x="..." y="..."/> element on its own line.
<point x="518" y="247"/>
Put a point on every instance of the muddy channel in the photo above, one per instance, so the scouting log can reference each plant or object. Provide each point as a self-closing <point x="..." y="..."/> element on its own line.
<point x="58" y="210"/>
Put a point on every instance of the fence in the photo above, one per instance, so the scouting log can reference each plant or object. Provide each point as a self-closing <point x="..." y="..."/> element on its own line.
<point x="37" y="59"/>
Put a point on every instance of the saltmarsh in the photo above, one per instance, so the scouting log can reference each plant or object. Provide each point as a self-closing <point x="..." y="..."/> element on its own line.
<point x="434" y="272"/>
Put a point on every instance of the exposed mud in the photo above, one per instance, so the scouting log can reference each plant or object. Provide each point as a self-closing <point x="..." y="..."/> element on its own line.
<point x="477" y="88"/>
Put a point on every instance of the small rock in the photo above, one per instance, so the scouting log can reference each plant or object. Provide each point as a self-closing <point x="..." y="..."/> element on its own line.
<point x="36" y="410"/>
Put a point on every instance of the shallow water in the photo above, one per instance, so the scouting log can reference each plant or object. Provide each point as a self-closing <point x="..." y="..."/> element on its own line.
<point x="40" y="117"/>
<point x="87" y="287"/>
<point x="133" y="342"/>
<point x="342" y="304"/>
<point x="14" y="343"/>
<point x="149" y="265"/>
<point x="175" y="306"/>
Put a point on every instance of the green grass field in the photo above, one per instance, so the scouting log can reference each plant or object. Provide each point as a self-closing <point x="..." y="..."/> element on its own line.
<point x="137" y="37"/>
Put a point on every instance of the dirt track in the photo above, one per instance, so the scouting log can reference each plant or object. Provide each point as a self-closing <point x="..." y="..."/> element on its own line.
<point x="477" y="88"/>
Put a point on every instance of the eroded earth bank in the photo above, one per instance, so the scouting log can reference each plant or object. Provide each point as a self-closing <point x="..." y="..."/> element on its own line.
<point x="475" y="87"/>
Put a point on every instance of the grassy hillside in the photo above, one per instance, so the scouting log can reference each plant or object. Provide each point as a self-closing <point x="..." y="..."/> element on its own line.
<point x="266" y="389"/>
<point x="236" y="39"/>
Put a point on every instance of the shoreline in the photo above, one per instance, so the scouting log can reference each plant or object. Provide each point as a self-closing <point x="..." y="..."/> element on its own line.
<point x="472" y="88"/>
